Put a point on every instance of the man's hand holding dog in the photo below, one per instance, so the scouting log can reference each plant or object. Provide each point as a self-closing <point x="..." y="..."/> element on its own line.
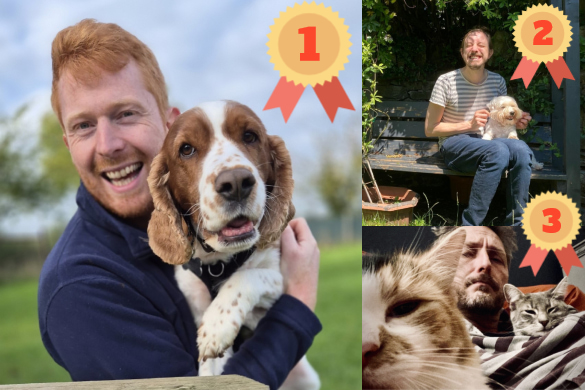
<point x="523" y="122"/>
<point x="479" y="119"/>
<point x="299" y="262"/>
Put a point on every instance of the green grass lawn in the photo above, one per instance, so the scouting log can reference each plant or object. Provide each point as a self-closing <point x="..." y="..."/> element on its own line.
<point x="23" y="358"/>
<point x="334" y="353"/>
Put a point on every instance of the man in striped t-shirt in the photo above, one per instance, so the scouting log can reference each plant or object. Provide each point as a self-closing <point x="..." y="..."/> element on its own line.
<point x="457" y="109"/>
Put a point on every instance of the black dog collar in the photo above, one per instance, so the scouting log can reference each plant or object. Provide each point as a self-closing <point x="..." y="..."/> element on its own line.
<point x="214" y="274"/>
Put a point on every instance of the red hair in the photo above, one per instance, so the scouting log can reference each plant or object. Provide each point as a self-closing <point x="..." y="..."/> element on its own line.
<point x="89" y="48"/>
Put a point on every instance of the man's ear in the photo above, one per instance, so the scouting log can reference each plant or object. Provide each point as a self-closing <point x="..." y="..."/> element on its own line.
<point x="172" y="114"/>
<point x="491" y="53"/>
<point x="65" y="141"/>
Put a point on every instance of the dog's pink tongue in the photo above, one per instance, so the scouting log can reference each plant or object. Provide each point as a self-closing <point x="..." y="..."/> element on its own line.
<point x="236" y="229"/>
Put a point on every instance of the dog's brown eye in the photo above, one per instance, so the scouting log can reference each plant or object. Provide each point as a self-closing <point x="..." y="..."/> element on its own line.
<point x="186" y="150"/>
<point x="250" y="137"/>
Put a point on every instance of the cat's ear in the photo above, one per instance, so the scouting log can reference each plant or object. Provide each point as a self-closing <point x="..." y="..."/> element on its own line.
<point x="559" y="291"/>
<point x="512" y="293"/>
<point x="445" y="254"/>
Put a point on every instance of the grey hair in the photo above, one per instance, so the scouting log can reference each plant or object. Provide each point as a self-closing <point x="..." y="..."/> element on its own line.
<point x="505" y="233"/>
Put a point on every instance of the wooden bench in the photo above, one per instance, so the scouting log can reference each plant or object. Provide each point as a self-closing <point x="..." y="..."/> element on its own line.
<point x="223" y="382"/>
<point x="402" y="145"/>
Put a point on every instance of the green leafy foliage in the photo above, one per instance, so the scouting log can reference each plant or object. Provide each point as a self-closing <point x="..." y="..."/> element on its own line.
<point x="376" y="55"/>
<point x="57" y="167"/>
<point x="34" y="175"/>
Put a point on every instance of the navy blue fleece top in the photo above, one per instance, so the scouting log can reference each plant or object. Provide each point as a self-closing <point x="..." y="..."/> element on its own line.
<point x="111" y="309"/>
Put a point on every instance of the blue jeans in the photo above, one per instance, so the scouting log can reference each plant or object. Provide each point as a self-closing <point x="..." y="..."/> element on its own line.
<point x="468" y="153"/>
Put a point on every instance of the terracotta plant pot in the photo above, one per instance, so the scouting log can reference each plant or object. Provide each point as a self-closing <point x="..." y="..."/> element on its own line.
<point x="397" y="206"/>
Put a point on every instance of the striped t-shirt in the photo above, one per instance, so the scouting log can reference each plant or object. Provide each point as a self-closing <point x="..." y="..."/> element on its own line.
<point x="462" y="99"/>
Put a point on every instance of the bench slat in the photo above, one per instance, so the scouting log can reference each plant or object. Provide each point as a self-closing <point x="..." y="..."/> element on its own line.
<point x="415" y="148"/>
<point x="416" y="129"/>
<point x="403" y="109"/>
<point x="418" y="109"/>
<point x="434" y="165"/>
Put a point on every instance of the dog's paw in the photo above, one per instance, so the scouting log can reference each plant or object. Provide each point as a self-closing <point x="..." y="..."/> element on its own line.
<point x="218" y="331"/>
<point x="214" y="367"/>
<point x="512" y="136"/>
<point x="487" y="137"/>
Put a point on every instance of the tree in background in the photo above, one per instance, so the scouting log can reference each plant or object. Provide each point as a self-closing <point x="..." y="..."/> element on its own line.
<point x="57" y="167"/>
<point x="35" y="175"/>
<point x="338" y="172"/>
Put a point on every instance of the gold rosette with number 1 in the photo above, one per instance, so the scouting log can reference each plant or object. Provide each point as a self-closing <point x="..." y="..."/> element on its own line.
<point x="308" y="44"/>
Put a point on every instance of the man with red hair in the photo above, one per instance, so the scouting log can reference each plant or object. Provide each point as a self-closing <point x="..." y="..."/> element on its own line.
<point x="108" y="307"/>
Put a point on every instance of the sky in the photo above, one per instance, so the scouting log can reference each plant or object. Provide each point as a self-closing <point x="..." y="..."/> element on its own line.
<point x="207" y="50"/>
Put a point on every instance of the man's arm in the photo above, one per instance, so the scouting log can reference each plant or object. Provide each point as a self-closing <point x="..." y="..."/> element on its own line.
<point x="104" y="329"/>
<point x="435" y="128"/>
<point x="300" y="262"/>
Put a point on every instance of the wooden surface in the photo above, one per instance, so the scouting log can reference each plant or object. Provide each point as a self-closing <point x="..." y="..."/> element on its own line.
<point x="394" y="148"/>
<point x="434" y="164"/>
<point x="402" y="145"/>
<point x="384" y="128"/>
<point x="570" y="98"/>
<point x="222" y="382"/>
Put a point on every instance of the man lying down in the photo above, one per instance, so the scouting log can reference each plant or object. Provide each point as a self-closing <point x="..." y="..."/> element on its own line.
<point x="412" y="338"/>
<point x="541" y="345"/>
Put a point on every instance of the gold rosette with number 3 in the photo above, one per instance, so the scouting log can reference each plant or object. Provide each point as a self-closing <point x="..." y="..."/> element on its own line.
<point x="542" y="34"/>
<point x="308" y="45"/>
<point x="551" y="222"/>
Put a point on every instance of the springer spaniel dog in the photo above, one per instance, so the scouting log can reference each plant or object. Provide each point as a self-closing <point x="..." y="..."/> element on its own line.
<point x="222" y="191"/>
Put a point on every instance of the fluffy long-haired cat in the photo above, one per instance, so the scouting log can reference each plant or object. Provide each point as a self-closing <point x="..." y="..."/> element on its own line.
<point x="413" y="335"/>
<point x="535" y="314"/>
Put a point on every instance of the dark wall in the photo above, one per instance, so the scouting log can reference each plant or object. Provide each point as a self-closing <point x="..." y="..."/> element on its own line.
<point x="388" y="239"/>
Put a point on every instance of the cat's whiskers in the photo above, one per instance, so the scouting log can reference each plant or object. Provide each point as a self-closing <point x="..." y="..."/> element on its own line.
<point x="434" y="375"/>
<point x="456" y="368"/>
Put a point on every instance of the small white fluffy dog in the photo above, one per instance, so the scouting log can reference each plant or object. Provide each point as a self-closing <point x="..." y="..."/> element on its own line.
<point x="504" y="114"/>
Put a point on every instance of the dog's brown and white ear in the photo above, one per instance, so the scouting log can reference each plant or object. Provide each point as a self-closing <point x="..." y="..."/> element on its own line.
<point x="166" y="229"/>
<point x="279" y="209"/>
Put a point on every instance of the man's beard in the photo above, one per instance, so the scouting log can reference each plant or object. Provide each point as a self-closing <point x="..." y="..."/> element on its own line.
<point x="475" y="67"/>
<point x="130" y="206"/>
<point x="483" y="303"/>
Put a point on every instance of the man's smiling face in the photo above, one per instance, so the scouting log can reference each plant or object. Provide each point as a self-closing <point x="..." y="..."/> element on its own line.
<point x="476" y="51"/>
<point x="113" y="129"/>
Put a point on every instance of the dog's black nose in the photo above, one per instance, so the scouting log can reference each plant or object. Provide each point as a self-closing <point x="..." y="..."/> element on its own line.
<point x="235" y="184"/>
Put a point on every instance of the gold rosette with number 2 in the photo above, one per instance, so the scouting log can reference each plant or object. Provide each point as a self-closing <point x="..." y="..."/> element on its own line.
<point x="542" y="34"/>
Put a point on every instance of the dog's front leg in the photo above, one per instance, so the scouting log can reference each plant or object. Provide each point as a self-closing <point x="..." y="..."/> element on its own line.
<point x="513" y="134"/>
<point x="236" y="298"/>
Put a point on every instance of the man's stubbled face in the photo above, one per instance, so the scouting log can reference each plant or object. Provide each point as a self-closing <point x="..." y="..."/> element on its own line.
<point x="482" y="272"/>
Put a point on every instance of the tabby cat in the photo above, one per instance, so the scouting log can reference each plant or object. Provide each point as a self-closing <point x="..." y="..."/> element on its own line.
<point x="413" y="335"/>
<point x="535" y="314"/>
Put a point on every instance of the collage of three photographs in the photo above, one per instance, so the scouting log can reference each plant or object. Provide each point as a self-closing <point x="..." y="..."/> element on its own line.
<point x="180" y="194"/>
